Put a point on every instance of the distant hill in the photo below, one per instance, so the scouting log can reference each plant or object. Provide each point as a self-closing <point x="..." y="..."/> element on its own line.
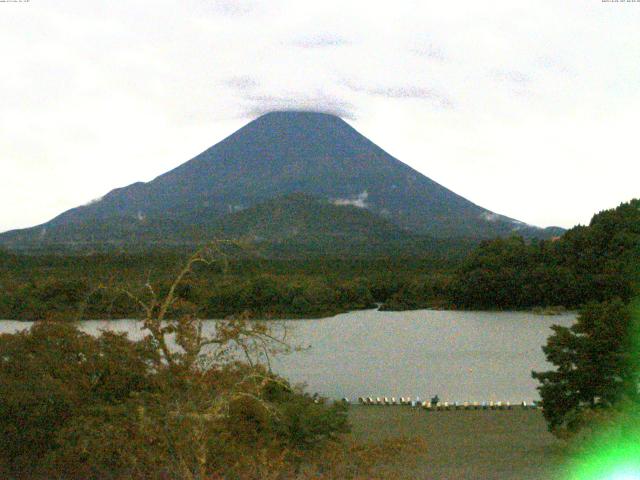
<point x="303" y="217"/>
<point x="276" y="155"/>
<point x="299" y="225"/>
<point x="295" y="225"/>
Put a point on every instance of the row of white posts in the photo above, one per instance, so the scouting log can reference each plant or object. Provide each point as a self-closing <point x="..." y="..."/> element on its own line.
<point x="427" y="405"/>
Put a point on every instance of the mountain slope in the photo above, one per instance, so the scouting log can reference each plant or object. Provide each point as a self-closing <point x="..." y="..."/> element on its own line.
<point x="295" y="225"/>
<point x="302" y="216"/>
<point x="278" y="154"/>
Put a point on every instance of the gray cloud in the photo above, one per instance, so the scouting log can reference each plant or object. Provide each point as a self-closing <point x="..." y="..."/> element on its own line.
<point x="553" y="64"/>
<point x="429" y="51"/>
<point x="513" y="76"/>
<point x="439" y="99"/>
<point x="256" y="105"/>
<point x="234" y="7"/>
<point x="124" y="82"/>
<point x="242" y="83"/>
<point x="515" y="81"/>
<point x="320" y="41"/>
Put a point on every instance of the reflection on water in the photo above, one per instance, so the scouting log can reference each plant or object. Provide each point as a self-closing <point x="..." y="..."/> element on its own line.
<point x="460" y="356"/>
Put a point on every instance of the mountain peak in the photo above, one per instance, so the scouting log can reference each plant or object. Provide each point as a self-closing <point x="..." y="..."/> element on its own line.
<point x="279" y="153"/>
<point x="298" y="115"/>
<point x="287" y="120"/>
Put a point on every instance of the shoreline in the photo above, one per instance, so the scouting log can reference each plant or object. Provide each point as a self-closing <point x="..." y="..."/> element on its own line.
<point x="542" y="311"/>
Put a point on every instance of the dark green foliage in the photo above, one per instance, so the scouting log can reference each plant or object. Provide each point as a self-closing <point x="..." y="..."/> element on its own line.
<point x="417" y="293"/>
<point x="295" y="226"/>
<point x="38" y="287"/>
<point x="75" y="406"/>
<point x="593" y="263"/>
<point x="52" y="374"/>
<point x="597" y="364"/>
<point x="308" y="419"/>
<point x="266" y="296"/>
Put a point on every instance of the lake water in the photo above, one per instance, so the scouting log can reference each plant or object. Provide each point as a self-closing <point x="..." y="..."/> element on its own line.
<point x="461" y="356"/>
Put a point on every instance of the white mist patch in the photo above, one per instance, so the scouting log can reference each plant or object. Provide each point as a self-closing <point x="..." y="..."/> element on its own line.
<point x="359" y="200"/>
<point x="236" y="208"/>
<point x="518" y="225"/>
<point x="94" y="201"/>
<point x="490" y="216"/>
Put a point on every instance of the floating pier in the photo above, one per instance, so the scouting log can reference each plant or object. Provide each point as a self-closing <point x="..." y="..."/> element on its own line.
<point x="443" y="406"/>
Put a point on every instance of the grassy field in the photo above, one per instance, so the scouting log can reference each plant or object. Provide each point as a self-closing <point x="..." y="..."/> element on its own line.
<point x="482" y="445"/>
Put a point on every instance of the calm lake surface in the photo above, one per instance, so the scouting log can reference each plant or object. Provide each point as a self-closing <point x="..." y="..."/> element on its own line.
<point x="461" y="356"/>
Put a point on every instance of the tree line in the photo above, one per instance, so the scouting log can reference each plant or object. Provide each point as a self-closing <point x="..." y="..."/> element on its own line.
<point x="61" y="287"/>
<point x="588" y="263"/>
<point x="597" y="262"/>
<point x="177" y="405"/>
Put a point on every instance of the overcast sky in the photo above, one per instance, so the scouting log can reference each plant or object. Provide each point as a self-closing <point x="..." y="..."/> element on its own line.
<point x="527" y="108"/>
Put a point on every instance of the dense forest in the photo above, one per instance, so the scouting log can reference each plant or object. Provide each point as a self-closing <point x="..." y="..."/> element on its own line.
<point x="597" y="262"/>
<point x="65" y="286"/>
<point x="177" y="404"/>
<point x="589" y="263"/>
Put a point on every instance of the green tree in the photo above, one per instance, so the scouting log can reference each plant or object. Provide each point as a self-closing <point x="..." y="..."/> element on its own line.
<point x="596" y="362"/>
<point x="592" y="263"/>
<point x="183" y="404"/>
<point x="51" y="374"/>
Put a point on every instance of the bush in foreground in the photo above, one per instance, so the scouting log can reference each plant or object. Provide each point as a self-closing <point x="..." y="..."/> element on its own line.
<point x="177" y="405"/>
